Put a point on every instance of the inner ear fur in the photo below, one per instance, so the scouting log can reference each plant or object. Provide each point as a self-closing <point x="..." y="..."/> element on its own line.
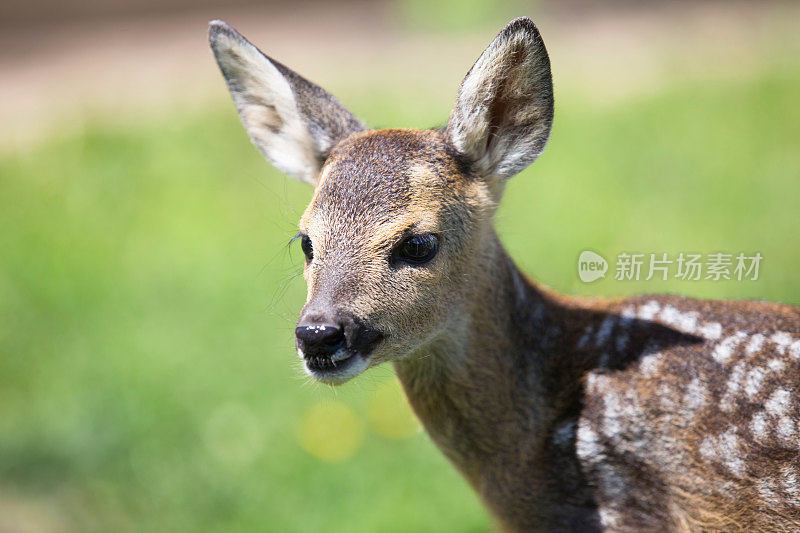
<point x="504" y="109"/>
<point x="292" y="121"/>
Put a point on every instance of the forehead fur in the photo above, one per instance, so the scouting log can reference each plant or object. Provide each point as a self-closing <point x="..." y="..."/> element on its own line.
<point x="389" y="176"/>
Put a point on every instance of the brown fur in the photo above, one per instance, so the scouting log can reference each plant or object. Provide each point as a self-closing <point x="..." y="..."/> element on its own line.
<point x="652" y="413"/>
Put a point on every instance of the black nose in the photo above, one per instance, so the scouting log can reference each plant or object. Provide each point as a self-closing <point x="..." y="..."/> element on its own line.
<point x="317" y="339"/>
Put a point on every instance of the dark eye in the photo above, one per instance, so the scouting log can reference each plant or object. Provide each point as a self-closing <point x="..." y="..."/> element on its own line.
<point x="417" y="249"/>
<point x="308" y="249"/>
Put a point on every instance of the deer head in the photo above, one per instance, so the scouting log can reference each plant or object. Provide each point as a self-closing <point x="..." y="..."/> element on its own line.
<point x="399" y="229"/>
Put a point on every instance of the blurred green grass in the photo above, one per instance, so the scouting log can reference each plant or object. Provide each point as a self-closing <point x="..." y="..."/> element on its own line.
<point x="148" y="380"/>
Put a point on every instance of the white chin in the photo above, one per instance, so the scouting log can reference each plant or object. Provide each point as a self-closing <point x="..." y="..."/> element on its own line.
<point x="347" y="366"/>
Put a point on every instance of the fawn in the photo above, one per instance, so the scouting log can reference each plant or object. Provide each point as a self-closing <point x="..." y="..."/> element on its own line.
<point x="652" y="413"/>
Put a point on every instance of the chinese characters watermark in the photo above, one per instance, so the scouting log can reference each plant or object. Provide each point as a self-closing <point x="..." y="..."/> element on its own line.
<point x="684" y="266"/>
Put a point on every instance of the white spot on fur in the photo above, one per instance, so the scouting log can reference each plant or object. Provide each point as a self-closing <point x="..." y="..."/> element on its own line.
<point x="782" y="340"/>
<point x="785" y="428"/>
<point x="587" y="443"/>
<point x="609" y="518"/>
<point x="776" y="365"/>
<point x="729" y="447"/>
<point x="629" y="312"/>
<point x="695" y="396"/>
<point x="736" y="465"/>
<point x="778" y="403"/>
<point x="756" y="341"/>
<point x="595" y="382"/>
<point x="649" y="310"/>
<point x="759" y="426"/>
<point x="670" y="315"/>
<point x="732" y="386"/>
<point x="612" y="424"/>
<point x="685" y="322"/>
<point x="666" y="397"/>
<point x="711" y="330"/>
<point x="707" y="449"/>
<point x="688" y="322"/>
<point x="724" y="349"/>
<point x="649" y="364"/>
<point x="794" y="349"/>
<point x="753" y="382"/>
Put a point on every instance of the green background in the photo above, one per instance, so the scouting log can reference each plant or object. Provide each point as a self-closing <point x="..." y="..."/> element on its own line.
<point x="148" y="380"/>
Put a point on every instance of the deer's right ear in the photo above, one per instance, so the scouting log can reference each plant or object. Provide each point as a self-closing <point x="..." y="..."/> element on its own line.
<point x="504" y="108"/>
<point x="293" y="122"/>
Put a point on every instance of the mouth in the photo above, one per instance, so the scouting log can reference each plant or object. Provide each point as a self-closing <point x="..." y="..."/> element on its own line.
<point x="326" y="362"/>
<point x="336" y="368"/>
<point x="335" y="353"/>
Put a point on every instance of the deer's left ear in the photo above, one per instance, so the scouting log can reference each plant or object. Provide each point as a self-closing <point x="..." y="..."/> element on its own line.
<point x="293" y="122"/>
<point x="504" y="109"/>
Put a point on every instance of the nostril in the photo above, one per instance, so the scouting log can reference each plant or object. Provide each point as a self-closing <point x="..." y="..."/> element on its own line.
<point x="320" y="338"/>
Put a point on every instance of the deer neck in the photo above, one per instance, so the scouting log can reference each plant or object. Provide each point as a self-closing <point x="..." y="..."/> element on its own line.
<point x="484" y="389"/>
